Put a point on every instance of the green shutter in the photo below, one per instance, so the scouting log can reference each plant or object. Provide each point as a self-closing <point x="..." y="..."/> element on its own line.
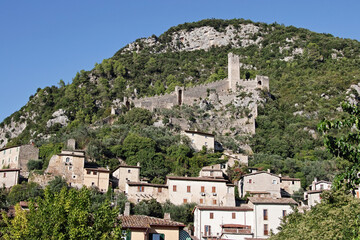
<point x="162" y="237"/>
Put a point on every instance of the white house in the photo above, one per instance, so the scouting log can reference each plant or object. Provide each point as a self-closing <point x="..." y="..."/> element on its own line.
<point x="201" y="190"/>
<point x="9" y="177"/>
<point x="221" y="222"/>
<point x="268" y="213"/>
<point x="315" y="189"/>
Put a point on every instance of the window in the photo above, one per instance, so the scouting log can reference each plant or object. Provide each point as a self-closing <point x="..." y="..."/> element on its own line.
<point x="202" y="189"/>
<point x="250" y="180"/>
<point x="88" y="172"/>
<point x="214" y="201"/>
<point x="184" y="200"/>
<point x="284" y="213"/>
<point x="211" y="215"/>
<point x="140" y="188"/>
<point x="129" y="171"/>
<point x="205" y="143"/>
<point x="201" y="201"/>
<point x="321" y="186"/>
<point x="174" y="188"/>
<point x="74" y="176"/>
<point x="266" y="230"/>
<point x="207" y="230"/>
<point x="94" y="173"/>
<point x="274" y="181"/>
<point x="213" y="189"/>
<point x="159" y="190"/>
<point x="188" y="189"/>
<point x="70" y="168"/>
<point x="265" y="214"/>
<point x="67" y="159"/>
<point x="233" y="215"/>
<point x="4" y="174"/>
<point x="293" y="182"/>
<point x="156" y="236"/>
<point x="92" y="184"/>
<point x="127" y="179"/>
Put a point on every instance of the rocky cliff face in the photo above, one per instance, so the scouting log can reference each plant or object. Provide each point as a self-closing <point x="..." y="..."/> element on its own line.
<point x="203" y="38"/>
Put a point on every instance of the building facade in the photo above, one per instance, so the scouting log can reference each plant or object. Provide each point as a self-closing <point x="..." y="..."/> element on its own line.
<point x="264" y="183"/>
<point x="200" y="139"/>
<point x="97" y="177"/>
<point x="200" y="190"/>
<point x="18" y="157"/>
<point x="123" y="174"/>
<point x="313" y="195"/>
<point x="290" y="185"/>
<point x="138" y="191"/>
<point x="9" y="177"/>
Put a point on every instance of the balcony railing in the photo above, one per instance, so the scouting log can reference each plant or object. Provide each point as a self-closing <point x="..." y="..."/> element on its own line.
<point x="236" y="231"/>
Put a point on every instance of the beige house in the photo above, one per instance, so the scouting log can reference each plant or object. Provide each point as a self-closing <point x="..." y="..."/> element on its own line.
<point x="123" y="174"/>
<point x="200" y="139"/>
<point x="17" y="157"/>
<point x="97" y="177"/>
<point x="138" y="191"/>
<point x="9" y="177"/>
<point x="200" y="190"/>
<point x="260" y="183"/>
<point x="217" y="170"/>
<point x="290" y="185"/>
<point x="315" y="189"/>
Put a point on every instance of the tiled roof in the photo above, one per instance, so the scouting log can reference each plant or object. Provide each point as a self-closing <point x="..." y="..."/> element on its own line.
<point x="258" y="192"/>
<point x="204" y="179"/>
<point x="225" y="208"/>
<point x="259" y="200"/>
<point x="141" y="221"/>
<point x="290" y="179"/>
<point x="315" y="191"/>
<point x="146" y="184"/>
<point x="98" y="169"/>
<point x="235" y="226"/>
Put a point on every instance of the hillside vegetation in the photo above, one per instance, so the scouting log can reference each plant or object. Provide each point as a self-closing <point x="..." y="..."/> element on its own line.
<point x="309" y="75"/>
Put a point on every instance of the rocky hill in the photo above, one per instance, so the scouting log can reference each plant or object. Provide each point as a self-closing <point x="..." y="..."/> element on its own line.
<point x="310" y="74"/>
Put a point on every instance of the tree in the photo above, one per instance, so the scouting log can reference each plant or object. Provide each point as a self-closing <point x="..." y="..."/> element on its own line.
<point x="24" y="192"/>
<point x="63" y="215"/>
<point x="57" y="184"/>
<point x="342" y="139"/>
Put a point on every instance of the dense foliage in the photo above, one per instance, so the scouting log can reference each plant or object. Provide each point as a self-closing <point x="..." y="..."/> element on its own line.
<point x="68" y="214"/>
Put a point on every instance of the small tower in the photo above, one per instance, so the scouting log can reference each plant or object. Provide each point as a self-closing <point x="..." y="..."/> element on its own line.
<point x="233" y="71"/>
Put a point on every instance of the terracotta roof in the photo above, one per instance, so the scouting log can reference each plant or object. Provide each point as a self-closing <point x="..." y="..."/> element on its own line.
<point x="315" y="191"/>
<point x="9" y="170"/>
<point x="290" y="179"/>
<point x="258" y="192"/>
<point x="141" y="221"/>
<point x="259" y="200"/>
<point x="226" y="208"/>
<point x="146" y="184"/>
<point x="323" y="181"/>
<point x="235" y="226"/>
<point x="125" y="166"/>
<point x="204" y="179"/>
<point x="5" y="148"/>
<point x="250" y="174"/>
<point x="196" y="132"/>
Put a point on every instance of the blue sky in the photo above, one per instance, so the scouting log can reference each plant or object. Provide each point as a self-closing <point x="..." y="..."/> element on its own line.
<point x="44" y="41"/>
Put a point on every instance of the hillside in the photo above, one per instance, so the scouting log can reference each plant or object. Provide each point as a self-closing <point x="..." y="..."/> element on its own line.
<point x="310" y="74"/>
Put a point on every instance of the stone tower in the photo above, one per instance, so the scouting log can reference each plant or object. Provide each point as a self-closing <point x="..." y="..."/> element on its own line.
<point x="233" y="71"/>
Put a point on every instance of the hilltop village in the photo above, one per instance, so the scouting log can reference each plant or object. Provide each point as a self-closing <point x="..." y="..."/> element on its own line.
<point x="250" y="208"/>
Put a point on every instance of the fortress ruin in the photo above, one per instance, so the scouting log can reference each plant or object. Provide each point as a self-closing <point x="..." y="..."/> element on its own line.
<point x="224" y="89"/>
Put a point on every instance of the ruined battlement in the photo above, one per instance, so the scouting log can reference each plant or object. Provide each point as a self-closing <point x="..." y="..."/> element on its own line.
<point x="223" y="88"/>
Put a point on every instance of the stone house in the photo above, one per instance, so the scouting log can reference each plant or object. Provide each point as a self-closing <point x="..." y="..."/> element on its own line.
<point x="260" y="183"/>
<point x="290" y="185"/>
<point x="200" y="190"/>
<point x="268" y="213"/>
<point x="222" y="222"/>
<point x="216" y="170"/>
<point x="140" y="227"/>
<point x="123" y="174"/>
<point x="138" y="191"/>
<point x="198" y="140"/>
<point x="97" y="177"/>
<point x="9" y="177"/>
<point x="315" y="189"/>
<point x="17" y="157"/>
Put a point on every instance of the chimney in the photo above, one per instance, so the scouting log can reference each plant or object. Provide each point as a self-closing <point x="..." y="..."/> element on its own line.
<point x="127" y="209"/>
<point x="280" y="175"/>
<point x="268" y="170"/>
<point x="167" y="216"/>
<point x="138" y="164"/>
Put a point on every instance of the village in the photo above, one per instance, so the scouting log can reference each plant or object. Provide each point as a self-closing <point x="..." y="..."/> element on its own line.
<point x="265" y="197"/>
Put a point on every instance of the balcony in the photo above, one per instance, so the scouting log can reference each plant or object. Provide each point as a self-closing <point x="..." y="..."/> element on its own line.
<point x="236" y="229"/>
